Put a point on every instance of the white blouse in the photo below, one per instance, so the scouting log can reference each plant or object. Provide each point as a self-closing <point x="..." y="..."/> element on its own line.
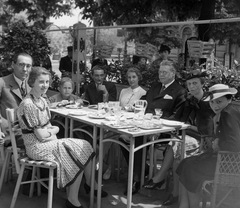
<point x="128" y="95"/>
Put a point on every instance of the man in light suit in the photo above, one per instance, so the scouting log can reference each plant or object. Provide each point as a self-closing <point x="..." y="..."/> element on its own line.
<point x="14" y="87"/>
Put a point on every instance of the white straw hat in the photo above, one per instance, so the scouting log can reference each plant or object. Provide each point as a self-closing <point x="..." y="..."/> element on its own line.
<point x="219" y="90"/>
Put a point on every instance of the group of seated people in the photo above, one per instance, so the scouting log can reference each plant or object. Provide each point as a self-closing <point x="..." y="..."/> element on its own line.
<point x="212" y="115"/>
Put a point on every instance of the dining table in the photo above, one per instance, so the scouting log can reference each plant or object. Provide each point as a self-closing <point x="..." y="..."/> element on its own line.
<point x="126" y="123"/>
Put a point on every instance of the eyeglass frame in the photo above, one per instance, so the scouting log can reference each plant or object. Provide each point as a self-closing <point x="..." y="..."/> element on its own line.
<point x="22" y="65"/>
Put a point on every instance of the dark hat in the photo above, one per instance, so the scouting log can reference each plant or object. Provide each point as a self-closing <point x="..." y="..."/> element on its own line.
<point x="164" y="48"/>
<point x="195" y="74"/>
<point x="69" y="48"/>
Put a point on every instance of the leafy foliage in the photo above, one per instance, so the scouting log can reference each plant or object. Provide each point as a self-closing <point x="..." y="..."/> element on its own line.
<point x="40" y="10"/>
<point x="22" y="38"/>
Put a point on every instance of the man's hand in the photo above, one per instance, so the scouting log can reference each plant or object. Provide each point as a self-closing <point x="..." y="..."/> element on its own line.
<point x="103" y="88"/>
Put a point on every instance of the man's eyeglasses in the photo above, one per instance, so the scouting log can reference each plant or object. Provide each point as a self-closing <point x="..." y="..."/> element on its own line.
<point x="22" y="65"/>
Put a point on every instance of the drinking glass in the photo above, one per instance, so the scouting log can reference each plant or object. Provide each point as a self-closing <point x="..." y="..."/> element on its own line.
<point x="158" y="112"/>
<point x="117" y="113"/>
<point x="78" y="103"/>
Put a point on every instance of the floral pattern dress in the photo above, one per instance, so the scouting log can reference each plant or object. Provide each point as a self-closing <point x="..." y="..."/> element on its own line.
<point x="70" y="155"/>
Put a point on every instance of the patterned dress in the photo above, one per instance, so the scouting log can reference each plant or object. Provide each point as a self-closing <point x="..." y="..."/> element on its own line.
<point x="70" y="155"/>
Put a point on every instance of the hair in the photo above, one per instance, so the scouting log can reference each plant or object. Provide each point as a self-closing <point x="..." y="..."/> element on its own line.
<point x="99" y="61"/>
<point x="69" y="48"/>
<point x="64" y="80"/>
<point x="135" y="70"/>
<point x="168" y="63"/>
<point x="229" y="96"/>
<point x="99" y="67"/>
<point x="35" y="73"/>
<point x="15" y="57"/>
<point x="202" y="80"/>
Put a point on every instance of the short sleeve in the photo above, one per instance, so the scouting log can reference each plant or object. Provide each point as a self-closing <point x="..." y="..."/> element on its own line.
<point x="30" y="115"/>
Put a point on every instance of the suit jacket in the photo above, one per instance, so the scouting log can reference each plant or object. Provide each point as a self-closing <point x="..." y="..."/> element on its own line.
<point x="94" y="96"/>
<point x="10" y="94"/>
<point x="65" y="64"/>
<point x="169" y="100"/>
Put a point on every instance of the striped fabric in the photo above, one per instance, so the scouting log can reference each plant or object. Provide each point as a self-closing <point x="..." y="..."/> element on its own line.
<point x="29" y="161"/>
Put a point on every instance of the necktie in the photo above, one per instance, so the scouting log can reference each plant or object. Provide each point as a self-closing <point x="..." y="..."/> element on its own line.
<point x="23" y="89"/>
<point x="163" y="88"/>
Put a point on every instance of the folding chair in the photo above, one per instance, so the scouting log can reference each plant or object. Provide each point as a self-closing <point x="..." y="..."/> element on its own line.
<point x="26" y="162"/>
<point x="226" y="183"/>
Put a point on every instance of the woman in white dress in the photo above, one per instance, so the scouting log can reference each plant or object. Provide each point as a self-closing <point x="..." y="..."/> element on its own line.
<point x="72" y="156"/>
<point x="134" y="92"/>
<point x="127" y="98"/>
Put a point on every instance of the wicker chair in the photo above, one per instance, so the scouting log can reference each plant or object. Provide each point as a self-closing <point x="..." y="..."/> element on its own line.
<point x="226" y="183"/>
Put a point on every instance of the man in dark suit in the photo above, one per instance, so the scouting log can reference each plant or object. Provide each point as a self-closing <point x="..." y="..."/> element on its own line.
<point x="66" y="61"/>
<point x="169" y="96"/>
<point x="14" y="87"/>
<point x="166" y="94"/>
<point x="100" y="90"/>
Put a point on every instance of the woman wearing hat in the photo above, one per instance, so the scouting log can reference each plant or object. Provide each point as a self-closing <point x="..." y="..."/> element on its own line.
<point x="193" y="171"/>
<point x="199" y="115"/>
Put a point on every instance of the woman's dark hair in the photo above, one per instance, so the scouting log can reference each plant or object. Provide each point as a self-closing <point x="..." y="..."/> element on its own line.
<point x="35" y="73"/>
<point x="135" y="70"/>
<point x="229" y="96"/>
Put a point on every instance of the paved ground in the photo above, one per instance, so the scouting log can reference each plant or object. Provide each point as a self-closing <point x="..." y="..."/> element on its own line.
<point x="144" y="199"/>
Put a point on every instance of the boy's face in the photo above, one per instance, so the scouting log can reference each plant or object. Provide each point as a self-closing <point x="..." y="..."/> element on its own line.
<point x="66" y="90"/>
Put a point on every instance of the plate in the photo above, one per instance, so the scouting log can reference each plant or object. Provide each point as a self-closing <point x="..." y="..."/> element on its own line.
<point x="152" y="126"/>
<point x="72" y="106"/>
<point x="97" y="116"/>
<point x="110" y="118"/>
<point x="121" y="125"/>
<point x="172" y="123"/>
<point x="77" y="113"/>
<point x="93" y="106"/>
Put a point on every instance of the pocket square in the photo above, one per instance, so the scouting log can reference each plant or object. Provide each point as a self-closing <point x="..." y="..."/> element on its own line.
<point x="168" y="97"/>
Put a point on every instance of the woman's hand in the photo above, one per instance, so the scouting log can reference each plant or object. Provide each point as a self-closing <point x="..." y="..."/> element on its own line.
<point x="2" y="136"/>
<point x="194" y="128"/>
<point x="53" y="129"/>
<point x="51" y="138"/>
<point x="129" y="108"/>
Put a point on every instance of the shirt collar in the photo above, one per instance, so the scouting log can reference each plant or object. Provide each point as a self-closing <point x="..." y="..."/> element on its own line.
<point x="167" y="85"/>
<point x="19" y="81"/>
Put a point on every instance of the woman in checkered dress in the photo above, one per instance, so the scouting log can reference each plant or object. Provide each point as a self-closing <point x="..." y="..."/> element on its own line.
<point x="72" y="156"/>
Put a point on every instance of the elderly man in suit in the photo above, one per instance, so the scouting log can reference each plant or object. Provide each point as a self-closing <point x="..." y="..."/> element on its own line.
<point x="100" y="90"/>
<point x="14" y="87"/>
<point x="169" y="96"/>
<point x="166" y="94"/>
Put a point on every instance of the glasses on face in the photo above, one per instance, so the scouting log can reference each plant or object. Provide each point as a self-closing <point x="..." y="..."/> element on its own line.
<point x="23" y="65"/>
